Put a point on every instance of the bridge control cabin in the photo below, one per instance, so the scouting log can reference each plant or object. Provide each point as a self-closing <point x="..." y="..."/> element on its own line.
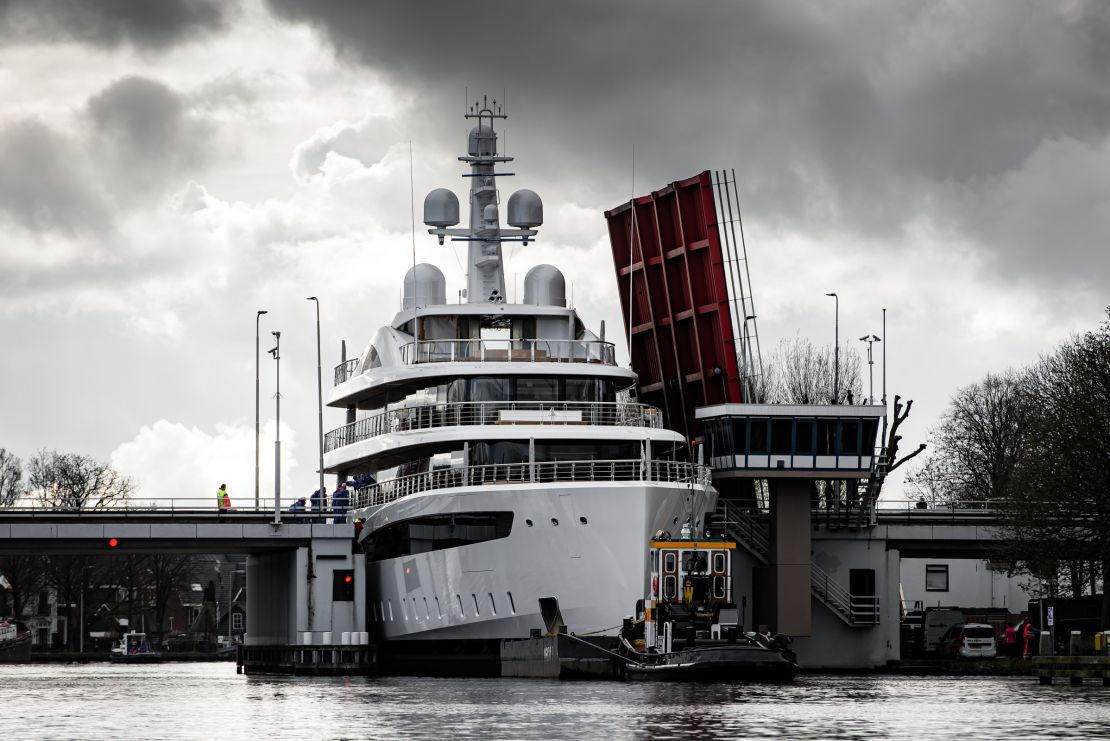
<point x="791" y="440"/>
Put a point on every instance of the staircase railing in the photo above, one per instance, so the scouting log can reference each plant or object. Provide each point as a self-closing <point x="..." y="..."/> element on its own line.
<point x="748" y="531"/>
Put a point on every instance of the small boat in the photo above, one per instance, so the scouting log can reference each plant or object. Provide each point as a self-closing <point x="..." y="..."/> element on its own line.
<point x="689" y="629"/>
<point x="15" y="642"/>
<point x="133" y="648"/>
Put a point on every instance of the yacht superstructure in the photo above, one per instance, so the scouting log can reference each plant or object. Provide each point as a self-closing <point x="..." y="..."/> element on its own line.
<point x="498" y="458"/>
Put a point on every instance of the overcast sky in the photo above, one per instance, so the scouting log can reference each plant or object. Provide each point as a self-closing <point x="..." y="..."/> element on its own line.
<point x="166" y="169"/>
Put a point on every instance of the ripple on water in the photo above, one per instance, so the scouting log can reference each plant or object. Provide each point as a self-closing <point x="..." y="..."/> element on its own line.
<point x="187" y="701"/>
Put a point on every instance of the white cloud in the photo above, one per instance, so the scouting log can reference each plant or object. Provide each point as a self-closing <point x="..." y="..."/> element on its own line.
<point x="169" y="461"/>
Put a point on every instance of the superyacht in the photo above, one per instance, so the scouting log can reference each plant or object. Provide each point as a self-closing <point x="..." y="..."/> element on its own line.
<point x="499" y="462"/>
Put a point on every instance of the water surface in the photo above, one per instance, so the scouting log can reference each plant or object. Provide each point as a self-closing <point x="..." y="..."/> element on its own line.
<point x="192" y="701"/>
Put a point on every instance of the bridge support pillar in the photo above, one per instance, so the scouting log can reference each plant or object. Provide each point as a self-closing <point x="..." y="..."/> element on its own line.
<point x="790" y="557"/>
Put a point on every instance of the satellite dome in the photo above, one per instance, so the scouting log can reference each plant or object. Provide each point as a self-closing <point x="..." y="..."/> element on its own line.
<point x="441" y="208"/>
<point x="482" y="141"/>
<point x="544" y="285"/>
<point x="424" y="286"/>
<point x="525" y="209"/>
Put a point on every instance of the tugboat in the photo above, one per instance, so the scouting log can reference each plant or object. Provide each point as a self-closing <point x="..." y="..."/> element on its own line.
<point x="15" y="642"/>
<point x="689" y="628"/>
<point x="133" y="648"/>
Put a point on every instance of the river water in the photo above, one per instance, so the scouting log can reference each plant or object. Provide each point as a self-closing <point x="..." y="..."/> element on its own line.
<point x="209" y="701"/>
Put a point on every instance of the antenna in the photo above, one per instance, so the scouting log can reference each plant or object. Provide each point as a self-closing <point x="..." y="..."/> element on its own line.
<point x="412" y="220"/>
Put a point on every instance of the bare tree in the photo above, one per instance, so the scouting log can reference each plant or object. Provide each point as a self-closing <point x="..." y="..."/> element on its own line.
<point x="1059" y="511"/>
<point x="983" y="437"/>
<point x="25" y="573"/>
<point x="168" y="574"/>
<point x="800" y="372"/>
<point x="11" y="478"/>
<point x="72" y="481"/>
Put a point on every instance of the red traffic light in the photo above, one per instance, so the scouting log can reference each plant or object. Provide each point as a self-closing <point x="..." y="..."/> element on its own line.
<point x="348" y="579"/>
<point x="113" y="542"/>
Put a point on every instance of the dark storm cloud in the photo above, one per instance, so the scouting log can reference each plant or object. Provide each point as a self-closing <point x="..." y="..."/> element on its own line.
<point x="43" y="184"/>
<point x="859" y="118"/>
<point x="146" y="135"/>
<point x="148" y="24"/>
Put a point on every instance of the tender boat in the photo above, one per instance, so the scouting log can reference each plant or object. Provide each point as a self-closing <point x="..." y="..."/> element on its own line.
<point x="15" y="642"/>
<point x="688" y="628"/>
<point x="133" y="648"/>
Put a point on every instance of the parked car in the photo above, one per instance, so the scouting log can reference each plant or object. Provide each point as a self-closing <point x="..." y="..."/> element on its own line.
<point x="938" y="621"/>
<point x="972" y="641"/>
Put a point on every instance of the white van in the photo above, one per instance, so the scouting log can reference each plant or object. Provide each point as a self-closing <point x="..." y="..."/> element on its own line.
<point x="936" y="623"/>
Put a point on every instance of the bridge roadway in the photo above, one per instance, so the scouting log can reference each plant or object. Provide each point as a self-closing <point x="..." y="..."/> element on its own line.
<point x="27" y="531"/>
<point x="932" y="533"/>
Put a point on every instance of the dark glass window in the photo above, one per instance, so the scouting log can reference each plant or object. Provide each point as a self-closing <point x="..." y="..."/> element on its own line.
<point x="936" y="578"/>
<point x="826" y="437"/>
<point x="849" y="437"/>
<point x="758" y="441"/>
<point x="869" y="428"/>
<point x="803" y="436"/>
<point x="437" y="532"/>
<point x="740" y="435"/>
<point x="537" y="388"/>
<point x="780" y="436"/>
<point x="343" y="585"/>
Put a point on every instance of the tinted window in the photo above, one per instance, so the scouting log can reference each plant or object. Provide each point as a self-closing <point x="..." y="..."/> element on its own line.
<point x="780" y="436"/>
<point x="740" y="435"/>
<point x="424" y="534"/>
<point x="826" y="437"/>
<point x="849" y="437"/>
<point x="759" y="436"/>
<point x="979" y="632"/>
<point x="803" y="436"/>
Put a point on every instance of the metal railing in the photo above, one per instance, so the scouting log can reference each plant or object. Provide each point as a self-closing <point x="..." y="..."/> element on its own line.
<point x="456" y="414"/>
<point x="495" y="474"/>
<point x="509" y="351"/>
<point x="345" y="370"/>
<point x="162" y="507"/>
<point x="853" y="609"/>
<point x="745" y="529"/>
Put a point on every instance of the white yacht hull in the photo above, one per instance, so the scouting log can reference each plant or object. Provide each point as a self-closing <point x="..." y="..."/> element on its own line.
<point x="594" y="561"/>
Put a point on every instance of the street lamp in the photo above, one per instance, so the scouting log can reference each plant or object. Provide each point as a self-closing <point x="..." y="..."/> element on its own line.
<point x="836" y="352"/>
<point x="870" y="340"/>
<point x="276" y="352"/>
<point x="257" y="429"/>
<point x="319" y="394"/>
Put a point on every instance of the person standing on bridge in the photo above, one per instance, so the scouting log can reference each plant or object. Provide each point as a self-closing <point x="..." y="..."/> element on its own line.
<point x="223" y="499"/>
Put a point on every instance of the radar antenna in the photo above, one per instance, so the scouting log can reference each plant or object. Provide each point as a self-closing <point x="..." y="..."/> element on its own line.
<point x="485" y="280"/>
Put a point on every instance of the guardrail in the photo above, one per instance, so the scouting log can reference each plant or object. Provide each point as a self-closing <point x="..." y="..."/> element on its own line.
<point x="345" y="370"/>
<point x="509" y="351"/>
<point x="456" y="414"/>
<point x="171" y="507"/>
<point x="496" y="474"/>
<point x="853" y="609"/>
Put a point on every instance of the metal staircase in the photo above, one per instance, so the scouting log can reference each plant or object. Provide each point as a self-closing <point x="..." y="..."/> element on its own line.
<point x="739" y="524"/>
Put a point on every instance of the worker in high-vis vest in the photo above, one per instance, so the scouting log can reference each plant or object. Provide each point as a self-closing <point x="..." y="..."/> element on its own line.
<point x="223" y="499"/>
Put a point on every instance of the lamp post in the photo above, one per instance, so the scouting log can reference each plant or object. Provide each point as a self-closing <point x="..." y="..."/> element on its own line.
<point x="320" y="393"/>
<point x="276" y="352"/>
<point x="257" y="428"/>
<point x="870" y="340"/>
<point x="836" y="352"/>
<point x="885" y="409"/>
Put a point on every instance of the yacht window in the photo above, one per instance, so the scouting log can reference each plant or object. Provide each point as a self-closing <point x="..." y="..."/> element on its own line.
<point x="375" y="360"/>
<point x="437" y="328"/>
<point x="670" y="560"/>
<point x="437" y="532"/>
<point x="719" y="587"/>
<point x="512" y="604"/>
<point x="485" y="388"/>
<point x="537" y="388"/>
<point x="695" y="562"/>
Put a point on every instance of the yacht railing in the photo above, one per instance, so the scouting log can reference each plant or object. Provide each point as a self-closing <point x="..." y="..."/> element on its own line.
<point x="509" y="351"/>
<point x="495" y="474"/>
<point x="612" y="414"/>
<point x="344" y="371"/>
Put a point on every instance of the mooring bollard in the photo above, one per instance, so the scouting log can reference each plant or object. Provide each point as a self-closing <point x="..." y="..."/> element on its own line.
<point x="1046" y="647"/>
<point x="1075" y="643"/>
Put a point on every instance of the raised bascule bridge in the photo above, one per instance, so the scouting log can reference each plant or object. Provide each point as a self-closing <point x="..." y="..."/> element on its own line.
<point x="798" y="483"/>
<point x="305" y="588"/>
